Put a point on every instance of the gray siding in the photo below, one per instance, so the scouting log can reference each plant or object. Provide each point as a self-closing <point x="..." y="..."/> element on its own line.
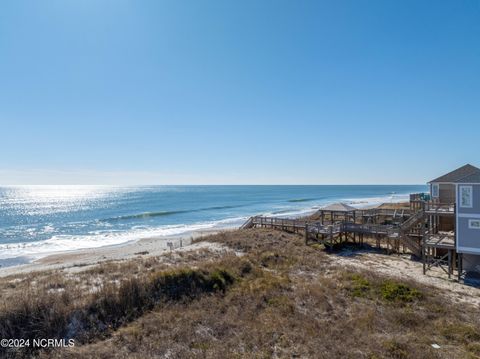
<point x="468" y="240"/>
<point x="476" y="199"/>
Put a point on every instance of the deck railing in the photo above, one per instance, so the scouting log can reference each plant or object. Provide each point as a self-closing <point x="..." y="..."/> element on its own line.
<point x="440" y="239"/>
<point x="439" y="208"/>
<point x="368" y="228"/>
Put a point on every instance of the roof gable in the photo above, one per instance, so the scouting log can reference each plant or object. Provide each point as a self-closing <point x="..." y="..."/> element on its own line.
<point x="459" y="175"/>
<point x="473" y="178"/>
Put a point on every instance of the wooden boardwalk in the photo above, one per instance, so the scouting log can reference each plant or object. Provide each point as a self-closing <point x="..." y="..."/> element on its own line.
<point x="415" y="228"/>
<point x="333" y="233"/>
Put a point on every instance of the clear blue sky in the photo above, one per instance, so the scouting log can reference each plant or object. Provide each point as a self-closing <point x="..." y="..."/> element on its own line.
<point x="250" y="91"/>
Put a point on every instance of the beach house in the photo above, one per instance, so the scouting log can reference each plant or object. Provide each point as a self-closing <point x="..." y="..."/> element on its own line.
<point x="454" y="217"/>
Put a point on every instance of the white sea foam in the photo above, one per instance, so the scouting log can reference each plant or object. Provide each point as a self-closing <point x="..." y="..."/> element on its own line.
<point x="63" y="243"/>
<point x="60" y="243"/>
<point x="372" y="201"/>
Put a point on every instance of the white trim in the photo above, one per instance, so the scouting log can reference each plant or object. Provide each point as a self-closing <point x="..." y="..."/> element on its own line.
<point x="468" y="250"/>
<point x="470" y="223"/>
<point x="468" y="215"/>
<point x="437" y="186"/>
<point x="460" y="196"/>
<point x="456" y="218"/>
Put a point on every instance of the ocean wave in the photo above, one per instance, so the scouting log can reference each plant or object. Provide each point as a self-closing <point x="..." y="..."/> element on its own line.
<point x="64" y="243"/>
<point x="145" y="215"/>
<point x="142" y="215"/>
<point x="296" y="200"/>
<point x="106" y="232"/>
<point x="372" y="201"/>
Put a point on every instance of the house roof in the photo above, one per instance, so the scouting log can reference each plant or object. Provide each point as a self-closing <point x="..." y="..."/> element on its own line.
<point x="473" y="178"/>
<point x="339" y="207"/>
<point x="464" y="174"/>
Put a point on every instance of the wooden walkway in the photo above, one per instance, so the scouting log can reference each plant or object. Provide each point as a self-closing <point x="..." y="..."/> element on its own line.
<point x="330" y="234"/>
<point x="316" y="228"/>
<point x="415" y="228"/>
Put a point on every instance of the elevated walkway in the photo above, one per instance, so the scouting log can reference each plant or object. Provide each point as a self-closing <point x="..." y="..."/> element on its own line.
<point x="331" y="233"/>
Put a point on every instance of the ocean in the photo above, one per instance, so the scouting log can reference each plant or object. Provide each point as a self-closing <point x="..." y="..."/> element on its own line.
<point x="39" y="220"/>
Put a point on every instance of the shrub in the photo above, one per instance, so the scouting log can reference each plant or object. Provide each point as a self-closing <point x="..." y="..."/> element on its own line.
<point x="393" y="292"/>
<point x="245" y="268"/>
<point x="361" y="286"/>
<point x="220" y="279"/>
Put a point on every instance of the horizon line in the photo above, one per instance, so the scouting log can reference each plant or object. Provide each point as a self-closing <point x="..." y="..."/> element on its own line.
<point x="211" y="184"/>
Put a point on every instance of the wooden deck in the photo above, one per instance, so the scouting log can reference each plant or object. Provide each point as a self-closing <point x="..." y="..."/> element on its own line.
<point x="318" y="227"/>
<point x="414" y="228"/>
<point x="377" y="212"/>
<point x="443" y="240"/>
<point x="332" y="233"/>
<point x="404" y="227"/>
<point x="434" y="208"/>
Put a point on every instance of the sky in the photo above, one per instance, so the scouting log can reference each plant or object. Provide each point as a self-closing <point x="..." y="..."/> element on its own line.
<point x="238" y="92"/>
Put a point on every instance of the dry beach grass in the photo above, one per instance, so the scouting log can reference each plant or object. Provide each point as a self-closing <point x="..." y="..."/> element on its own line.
<point x="253" y="293"/>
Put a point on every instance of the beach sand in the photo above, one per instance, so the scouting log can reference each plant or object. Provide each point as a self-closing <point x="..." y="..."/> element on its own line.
<point x="84" y="258"/>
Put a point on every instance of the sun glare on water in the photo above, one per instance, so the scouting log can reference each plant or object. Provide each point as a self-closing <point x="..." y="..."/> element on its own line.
<point x="39" y="200"/>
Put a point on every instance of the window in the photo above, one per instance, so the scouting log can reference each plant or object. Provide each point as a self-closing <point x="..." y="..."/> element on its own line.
<point x="466" y="199"/>
<point x="474" y="223"/>
<point x="435" y="190"/>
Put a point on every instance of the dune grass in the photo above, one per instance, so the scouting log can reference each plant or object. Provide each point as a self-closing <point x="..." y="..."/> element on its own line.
<point x="279" y="298"/>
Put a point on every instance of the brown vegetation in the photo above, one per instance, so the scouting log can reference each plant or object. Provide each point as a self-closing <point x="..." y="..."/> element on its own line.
<point x="270" y="295"/>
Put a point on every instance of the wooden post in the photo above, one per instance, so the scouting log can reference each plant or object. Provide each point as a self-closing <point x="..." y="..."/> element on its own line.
<point x="454" y="262"/>
<point x="424" y="255"/>
<point x="331" y="236"/>
<point x="306" y="233"/>
<point x="449" y="263"/>
<point x="460" y="266"/>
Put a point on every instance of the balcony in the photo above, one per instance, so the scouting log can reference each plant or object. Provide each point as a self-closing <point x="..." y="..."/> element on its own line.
<point x="437" y="208"/>
<point x="441" y="239"/>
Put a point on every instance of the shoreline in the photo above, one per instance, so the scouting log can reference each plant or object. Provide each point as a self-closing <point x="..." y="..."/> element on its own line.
<point x="87" y="257"/>
<point x="147" y="246"/>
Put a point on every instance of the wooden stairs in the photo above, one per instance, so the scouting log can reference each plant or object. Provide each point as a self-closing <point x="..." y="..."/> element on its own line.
<point x="405" y="230"/>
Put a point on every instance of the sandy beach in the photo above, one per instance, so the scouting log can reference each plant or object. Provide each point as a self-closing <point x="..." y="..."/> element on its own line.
<point x="85" y="258"/>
